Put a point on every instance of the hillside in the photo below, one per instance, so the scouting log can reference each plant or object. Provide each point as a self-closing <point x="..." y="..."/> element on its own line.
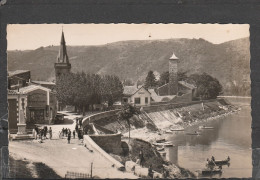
<point x="228" y="62"/>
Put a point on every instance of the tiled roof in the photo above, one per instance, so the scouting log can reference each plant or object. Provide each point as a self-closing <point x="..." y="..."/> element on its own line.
<point x="43" y="82"/>
<point x="129" y="90"/>
<point x="188" y="85"/>
<point x="16" y="72"/>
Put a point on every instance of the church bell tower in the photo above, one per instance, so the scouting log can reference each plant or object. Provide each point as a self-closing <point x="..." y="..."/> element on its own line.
<point x="62" y="64"/>
<point x="173" y="75"/>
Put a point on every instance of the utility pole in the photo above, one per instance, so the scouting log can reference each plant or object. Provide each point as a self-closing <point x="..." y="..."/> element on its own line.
<point x="91" y="170"/>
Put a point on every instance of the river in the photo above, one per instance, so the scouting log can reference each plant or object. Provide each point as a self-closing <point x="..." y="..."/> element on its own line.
<point x="231" y="137"/>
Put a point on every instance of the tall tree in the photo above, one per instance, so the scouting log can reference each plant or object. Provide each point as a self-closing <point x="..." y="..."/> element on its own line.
<point x="207" y="86"/>
<point x="126" y="113"/>
<point x="150" y="80"/>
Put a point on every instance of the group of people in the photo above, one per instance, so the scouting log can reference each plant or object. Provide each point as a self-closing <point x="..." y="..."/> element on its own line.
<point x="41" y="133"/>
<point x="66" y="132"/>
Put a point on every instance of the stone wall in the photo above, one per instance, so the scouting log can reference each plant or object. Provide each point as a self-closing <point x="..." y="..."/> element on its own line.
<point x="111" y="143"/>
<point x="99" y="116"/>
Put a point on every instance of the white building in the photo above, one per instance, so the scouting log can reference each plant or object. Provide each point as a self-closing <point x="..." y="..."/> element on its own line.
<point x="136" y="96"/>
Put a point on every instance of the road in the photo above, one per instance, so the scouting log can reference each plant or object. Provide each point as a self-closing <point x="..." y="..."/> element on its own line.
<point x="63" y="157"/>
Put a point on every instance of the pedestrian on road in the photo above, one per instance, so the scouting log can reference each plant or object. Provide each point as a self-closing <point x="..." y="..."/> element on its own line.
<point x="66" y="132"/>
<point x="36" y="132"/>
<point x="41" y="133"/>
<point x="45" y="132"/>
<point x="50" y="132"/>
<point x="150" y="171"/>
<point x="63" y="131"/>
<point x="69" y="136"/>
<point x="80" y="123"/>
<point x="77" y="127"/>
<point x="141" y="157"/>
<point x="79" y="135"/>
<point x="74" y="134"/>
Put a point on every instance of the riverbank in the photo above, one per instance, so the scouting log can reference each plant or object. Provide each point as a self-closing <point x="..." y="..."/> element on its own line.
<point x="181" y="118"/>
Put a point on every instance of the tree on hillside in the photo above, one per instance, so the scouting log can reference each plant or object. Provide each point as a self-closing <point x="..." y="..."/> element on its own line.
<point x="126" y="113"/>
<point x="150" y="80"/>
<point x="207" y="86"/>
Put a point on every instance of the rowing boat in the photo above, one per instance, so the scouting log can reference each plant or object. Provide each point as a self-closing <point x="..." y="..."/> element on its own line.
<point x="206" y="127"/>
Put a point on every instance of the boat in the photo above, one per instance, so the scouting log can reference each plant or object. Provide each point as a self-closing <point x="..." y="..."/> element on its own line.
<point x="221" y="162"/>
<point x="168" y="131"/>
<point x="167" y="144"/>
<point x="211" y="171"/>
<point x="196" y="134"/>
<point x="160" y="148"/>
<point x="162" y="153"/>
<point x="206" y="127"/>
<point x="160" y="140"/>
<point x="177" y="129"/>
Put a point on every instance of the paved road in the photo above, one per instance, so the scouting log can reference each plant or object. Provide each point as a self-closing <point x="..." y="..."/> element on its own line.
<point x="63" y="157"/>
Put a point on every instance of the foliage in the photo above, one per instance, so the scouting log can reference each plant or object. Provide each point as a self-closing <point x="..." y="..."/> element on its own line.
<point x="82" y="90"/>
<point x="126" y="113"/>
<point x="150" y="80"/>
<point x="207" y="86"/>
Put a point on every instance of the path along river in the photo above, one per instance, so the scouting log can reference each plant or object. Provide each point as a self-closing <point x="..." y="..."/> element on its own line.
<point x="231" y="136"/>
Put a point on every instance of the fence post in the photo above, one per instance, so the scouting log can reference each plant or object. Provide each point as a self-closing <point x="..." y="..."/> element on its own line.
<point x="91" y="170"/>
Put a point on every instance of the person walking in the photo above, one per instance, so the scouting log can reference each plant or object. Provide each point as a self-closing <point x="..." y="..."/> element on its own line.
<point x="150" y="172"/>
<point x="141" y="157"/>
<point x="66" y="132"/>
<point x="63" y="131"/>
<point x="69" y="136"/>
<point x="45" y="129"/>
<point x="50" y="132"/>
<point x="77" y="127"/>
<point x="73" y="134"/>
<point x="36" y="129"/>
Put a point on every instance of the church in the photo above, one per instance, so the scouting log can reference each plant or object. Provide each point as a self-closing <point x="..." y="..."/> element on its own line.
<point x="33" y="102"/>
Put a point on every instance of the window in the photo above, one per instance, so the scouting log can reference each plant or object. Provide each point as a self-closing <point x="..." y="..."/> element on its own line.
<point x="146" y="100"/>
<point x="137" y="101"/>
<point x="125" y="100"/>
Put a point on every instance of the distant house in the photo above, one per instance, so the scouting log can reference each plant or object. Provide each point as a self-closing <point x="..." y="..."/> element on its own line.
<point x="18" y="78"/>
<point x="136" y="96"/>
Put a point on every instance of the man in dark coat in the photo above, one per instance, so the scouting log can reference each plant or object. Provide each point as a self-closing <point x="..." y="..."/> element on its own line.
<point x="69" y="136"/>
<point x="36" y="131"/>
<point x="74" y="134"/>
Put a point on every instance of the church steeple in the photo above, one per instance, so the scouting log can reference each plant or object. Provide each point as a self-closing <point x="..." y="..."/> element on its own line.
<point x="62" y="64"/>
<point x="63" y="56"/>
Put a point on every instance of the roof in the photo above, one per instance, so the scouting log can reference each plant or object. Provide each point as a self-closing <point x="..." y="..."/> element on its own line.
<point x="129" y="90"/>
<point x="188" y="85"/>
<point x="32" y="87"/>
<point x="157" y="98"/>
<point x="173" y="57"/>
<point x="43" y="82"/>
<point x="63" y="56"/>
<point x="16" y="72"/>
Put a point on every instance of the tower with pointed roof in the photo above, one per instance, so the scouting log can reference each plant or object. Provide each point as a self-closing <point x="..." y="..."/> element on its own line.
<point x="173" y="77"/>
<point x="62" y="64"/>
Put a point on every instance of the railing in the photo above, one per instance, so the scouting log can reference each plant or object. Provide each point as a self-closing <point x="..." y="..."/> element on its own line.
<point x="76" y="175"/>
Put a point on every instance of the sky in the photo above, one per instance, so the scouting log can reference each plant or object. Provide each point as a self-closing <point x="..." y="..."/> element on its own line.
<point x="33" y="36"/>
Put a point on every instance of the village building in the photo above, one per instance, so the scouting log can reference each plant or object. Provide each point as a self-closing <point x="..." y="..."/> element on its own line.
<point x="47" y="84"/>
<point x="18" y="78"/>
<point x="30" y="105"/>
<point x="175" y="89"/>
<point x="136" y="96"/>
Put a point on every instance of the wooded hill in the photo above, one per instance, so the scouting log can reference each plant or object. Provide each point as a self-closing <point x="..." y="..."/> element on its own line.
<point x="229" y="62"/>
